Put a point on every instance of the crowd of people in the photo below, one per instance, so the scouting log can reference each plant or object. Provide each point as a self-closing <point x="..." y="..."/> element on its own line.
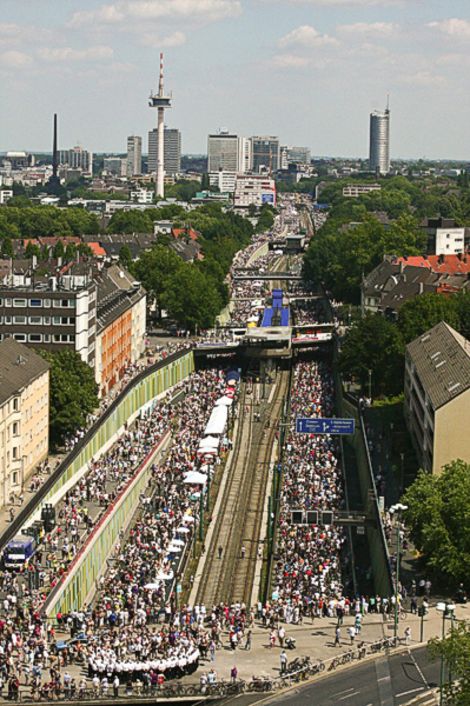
<point x="308" y="311"/>
<point x="124" y="637"/>
<point x="308" y="570"/>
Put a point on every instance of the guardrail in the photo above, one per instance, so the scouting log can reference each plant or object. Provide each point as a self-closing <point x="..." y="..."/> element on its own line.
<point x="94" y="439"/>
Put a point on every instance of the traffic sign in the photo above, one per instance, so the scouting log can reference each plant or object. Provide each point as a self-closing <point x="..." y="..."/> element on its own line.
<point x="324" y="425"/>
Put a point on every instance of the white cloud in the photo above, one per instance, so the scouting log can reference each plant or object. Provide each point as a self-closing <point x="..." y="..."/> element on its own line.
<point x="305" y="36"/>
<point x="98" y="53"/>
<point x="176" y="39"/>
<point x="422" y="78"/>
<point x="15" y="59"/>
<point x="453" y="27"/>
<point x="148" y="10"/>
<point x="346" y="3"/>
<point x="289" y="61"/>
<point x="374" y="28"/>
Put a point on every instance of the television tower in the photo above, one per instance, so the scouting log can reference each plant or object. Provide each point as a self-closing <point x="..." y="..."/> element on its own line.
<point x="160" y="101"/>
<point x="54" y="180"/>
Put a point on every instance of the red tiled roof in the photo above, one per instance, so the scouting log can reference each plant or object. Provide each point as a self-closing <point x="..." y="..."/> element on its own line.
<point x="445" y="264"/>
<point x="97" y="249"/>
<point x="188" y="232"/>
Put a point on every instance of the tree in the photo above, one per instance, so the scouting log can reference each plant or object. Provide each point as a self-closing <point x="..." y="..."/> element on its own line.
<point x="32" y="249"/>
<point x="191" y="298"/>
<point x="455" y="651"/>
<point x="58" y="250"/>
<point x="154" y="268"/>
<point x="425" y="311"/>
<point x="125" y="256"/>
<point x="130" y="222"/>
<point x="439" y="522"/>
<point x="374" y="344"/>
<point x="462" y="304"/>
<point x="73" y="394"/>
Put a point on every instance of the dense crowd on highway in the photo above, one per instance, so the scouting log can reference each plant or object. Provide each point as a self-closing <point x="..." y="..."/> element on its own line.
<point x="122" y="635"/>
<point x="308" y="571"/>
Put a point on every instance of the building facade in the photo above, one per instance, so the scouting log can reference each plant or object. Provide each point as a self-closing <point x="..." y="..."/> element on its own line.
<point x="77" y="158"/>
<point x="224" y="181"/>
<point x="437" y="396"/>
<point x="24" y="415"/>
<point x="444" y="237"/>
<point x="353" y="191"/>
<point x="121" y="325"/>
<point x="265" y="154"/>
<point x="50" y="312"/>
<point x="379" y="142"/>
<point x="254" y="190"/>
<point x="171" y="154"/>
<point x="134" y="155"/>
<point x="245" y="155"/>
<point x="222" y="152"/>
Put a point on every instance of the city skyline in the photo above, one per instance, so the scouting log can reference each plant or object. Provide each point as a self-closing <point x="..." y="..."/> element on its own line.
<point x="312" y="76"/>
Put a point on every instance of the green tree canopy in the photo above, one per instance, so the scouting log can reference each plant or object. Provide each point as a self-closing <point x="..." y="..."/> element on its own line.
<point x="154" y="268"/>
<point x="191" y="298"/>
<point x="374" y="344"/>
<point x="438" y="518"/>
<point x="455" y="651"/>
<point x="73" y="394"/>
<point x="425" y="311"/>
<point x="125" y="256"/>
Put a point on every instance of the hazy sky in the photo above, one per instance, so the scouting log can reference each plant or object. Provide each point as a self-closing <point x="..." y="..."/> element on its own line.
<point x="309" y="71"/>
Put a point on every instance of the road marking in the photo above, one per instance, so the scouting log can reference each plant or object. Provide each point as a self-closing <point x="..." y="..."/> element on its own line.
<point x="348" y="696"/>
<point x="338" y="693"/>
<point x="419" y="670"/>
<point x="411" y="691"/>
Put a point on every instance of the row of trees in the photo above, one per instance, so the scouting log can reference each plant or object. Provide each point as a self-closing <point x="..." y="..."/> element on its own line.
<point x="375" y="344"/>
<point x="36" y="221"/>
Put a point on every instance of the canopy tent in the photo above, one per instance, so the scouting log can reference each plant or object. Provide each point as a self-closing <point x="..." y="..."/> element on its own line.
<point x="217" y="421"/>
<point x="153" y="586"/>
<point x="172" y="549"/>
<point x="207" y="451"/>
<point x="177" y="542"/>
<point x="188" y="518"/>
<point x="224" y="401"/>
<point x="183" y="530"/>
<point x="195" y="478"/>
<point x="209" y="441"/>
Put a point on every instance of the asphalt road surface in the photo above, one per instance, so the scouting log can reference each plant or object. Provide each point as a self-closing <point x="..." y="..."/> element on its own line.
<point x="387" y="681"/>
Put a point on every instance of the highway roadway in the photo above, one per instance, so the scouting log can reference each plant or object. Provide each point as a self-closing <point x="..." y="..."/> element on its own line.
<point x="392" y="680"/>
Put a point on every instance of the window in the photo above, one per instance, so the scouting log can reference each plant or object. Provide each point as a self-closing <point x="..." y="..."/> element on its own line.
<point x="8" y="319"/>
<point x="19" y="319"/>
<point x="46" y="303"/>
<point x="21" y="337"/>
<point x="14" y="478"/>
<point x="16" y="428"/>
<point x="15" y="452"/>
<point x="35" y="320"/>
<point x="16" y="403"/>
<point x="47" y="338"/>
<point x="35" y="302"/>
<point x="8" y="302"/>
<point x="19" y="302"/>
<point x="35" y="338"/>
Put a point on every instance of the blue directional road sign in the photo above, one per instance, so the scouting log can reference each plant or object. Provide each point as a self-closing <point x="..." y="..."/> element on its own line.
<point x="318" y="425"/>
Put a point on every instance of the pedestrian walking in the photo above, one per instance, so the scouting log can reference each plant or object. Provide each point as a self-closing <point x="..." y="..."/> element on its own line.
<point x="283" y="661"/>
<point x="243" y="551"/>
<point x="337" y="636"/>
<point x="352" y="633"/>
<point x="233" y="674"/>
<point x="407" y="635"/>
<point x="220" y="551"/>
<point x="248" y="640"/>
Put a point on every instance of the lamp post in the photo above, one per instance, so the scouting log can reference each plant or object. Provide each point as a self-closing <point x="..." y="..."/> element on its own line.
<point x="370" y="384"/>
<point x="396" y="510"/>
<point x="447" y="610"/>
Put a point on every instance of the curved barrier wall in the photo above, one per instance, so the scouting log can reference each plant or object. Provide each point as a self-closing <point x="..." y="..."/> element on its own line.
<point x="144" y="388"/>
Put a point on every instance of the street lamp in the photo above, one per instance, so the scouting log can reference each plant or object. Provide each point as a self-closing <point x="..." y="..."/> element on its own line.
<point x="447" y="610"/>
<point x="396" y="510"/>
<point x="370" y="383"/>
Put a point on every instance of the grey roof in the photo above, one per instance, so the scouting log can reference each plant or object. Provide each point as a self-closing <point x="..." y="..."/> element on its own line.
<point x="442" y="360"/>
<point x="19" y="366"/>
<point x="117" y="292"/>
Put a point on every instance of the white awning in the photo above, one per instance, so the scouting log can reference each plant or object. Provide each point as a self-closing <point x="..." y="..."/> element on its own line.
<point x="224" y="401"/>
<point x="209" y="442"/>
<point x="217" y="421"/>
<point x="195" y="478"/>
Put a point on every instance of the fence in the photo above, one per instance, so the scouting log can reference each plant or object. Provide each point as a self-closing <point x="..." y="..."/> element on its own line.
<point x="144" y="388"/>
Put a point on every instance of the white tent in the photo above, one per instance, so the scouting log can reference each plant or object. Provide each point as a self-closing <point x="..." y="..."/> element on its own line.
<point x="207" y="451"/>
<point x="195" y="478"/>
<point x="209" y="442"/>
<point x="177" y="542"/>
<point x="174" y="550"/>
<point x="188" y="518"/>
<point x="183" y="530"/>
<point x="217" y="421"/>
<point x="224" y="401"/>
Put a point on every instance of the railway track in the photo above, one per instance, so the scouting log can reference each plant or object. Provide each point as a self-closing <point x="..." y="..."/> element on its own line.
<point x="239" y="520"/>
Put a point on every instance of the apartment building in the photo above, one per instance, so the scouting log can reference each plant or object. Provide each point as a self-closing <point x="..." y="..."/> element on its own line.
<point x="437" y="396"/>
<point x="254" y="190"/>
<point x="24" y="415"/>
<point x="121" y="325"/>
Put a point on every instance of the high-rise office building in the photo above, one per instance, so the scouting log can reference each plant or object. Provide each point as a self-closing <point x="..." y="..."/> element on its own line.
<point x="244" y="155"/>
<point x="266" y="154"/>
<point x="134" y="155"/>
<point x="298" y="155"/>
<point x="379" y="150"/>
<point x="77" y="158"/>
<point x="172" y="151"/>
<point x="222" y="152"/>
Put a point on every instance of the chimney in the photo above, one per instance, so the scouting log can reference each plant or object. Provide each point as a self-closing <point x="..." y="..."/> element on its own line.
<point x="34" y="261"/>
<point x="55" y="156"/>
<point x="421" y="287"/>
<point x="402" y="266"/>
